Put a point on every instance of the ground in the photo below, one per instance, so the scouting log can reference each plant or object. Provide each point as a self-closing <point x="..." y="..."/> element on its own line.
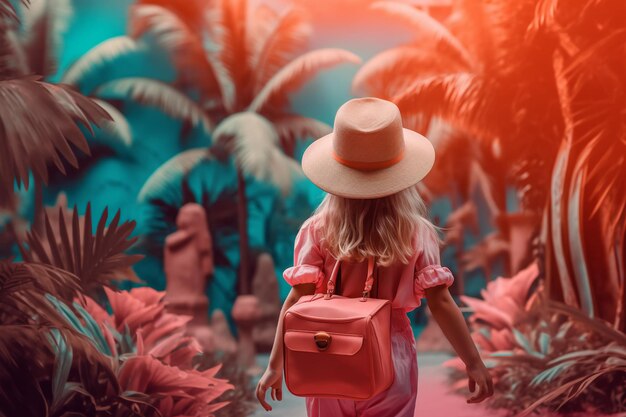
<point x="433" y="399"/>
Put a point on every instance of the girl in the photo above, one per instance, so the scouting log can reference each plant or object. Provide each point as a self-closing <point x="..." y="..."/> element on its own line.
<point x="369" y="166"/>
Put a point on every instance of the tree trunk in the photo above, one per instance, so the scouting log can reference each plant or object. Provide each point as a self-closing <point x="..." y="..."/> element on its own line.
<point x="621" y="310"/>
<point x="242" y="214"/>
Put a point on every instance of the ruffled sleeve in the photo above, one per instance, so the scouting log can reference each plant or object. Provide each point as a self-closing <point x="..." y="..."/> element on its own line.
<point x="308" y="260"/>
<point x="428" y="270"/>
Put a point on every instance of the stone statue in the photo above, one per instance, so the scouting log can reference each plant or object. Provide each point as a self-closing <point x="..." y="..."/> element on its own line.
<point x="223" y="338"/>
<point x="265" y="287"/>
<point x="188" y="261"/>
<point x="246" y="312"/>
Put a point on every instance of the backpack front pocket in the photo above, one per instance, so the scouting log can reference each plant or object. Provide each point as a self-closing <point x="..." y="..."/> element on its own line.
<point x="328" y="363"/>
<point x="329" y="343"/>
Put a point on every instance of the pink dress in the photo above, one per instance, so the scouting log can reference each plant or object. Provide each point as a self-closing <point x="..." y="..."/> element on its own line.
<point x="404" y="285"/>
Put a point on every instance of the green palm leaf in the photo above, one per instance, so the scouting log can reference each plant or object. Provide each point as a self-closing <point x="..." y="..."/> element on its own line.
<point x="157" y="94"/>
<point x="121" y="138"/>
<point x="171" y="172"/>
<point x="90" y="330"/>
<point x="99" y="57"/>
<point x="253" y="142"/>
<point x="292" y="127"/>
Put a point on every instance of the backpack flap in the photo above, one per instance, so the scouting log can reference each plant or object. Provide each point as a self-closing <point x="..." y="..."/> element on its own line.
<point x="328" y="343"/>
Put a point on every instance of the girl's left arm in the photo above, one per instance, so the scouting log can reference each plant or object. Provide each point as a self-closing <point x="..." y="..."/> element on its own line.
<point x="452" y="323"/>
<point x="273" y="376"/>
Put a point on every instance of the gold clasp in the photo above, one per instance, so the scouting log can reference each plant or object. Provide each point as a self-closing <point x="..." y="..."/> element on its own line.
<point x="322" y="340"/>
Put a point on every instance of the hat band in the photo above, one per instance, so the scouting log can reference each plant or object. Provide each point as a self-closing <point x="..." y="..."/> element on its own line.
<point x="369" y="165"/>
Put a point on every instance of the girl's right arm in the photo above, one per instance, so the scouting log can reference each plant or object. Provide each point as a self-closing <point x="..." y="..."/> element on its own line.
<point x="273" y="376"/>
<point x="452" y="323"/>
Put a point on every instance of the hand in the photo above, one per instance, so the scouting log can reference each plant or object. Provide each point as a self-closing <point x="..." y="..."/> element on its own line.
<point x="479" y="375"/>
<point x="272" y="378"/>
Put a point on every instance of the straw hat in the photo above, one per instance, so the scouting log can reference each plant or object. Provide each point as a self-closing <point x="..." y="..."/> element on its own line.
<point x="369" y="154"/>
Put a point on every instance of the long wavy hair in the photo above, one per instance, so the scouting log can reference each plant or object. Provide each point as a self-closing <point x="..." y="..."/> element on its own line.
<point x="354" y="229"/>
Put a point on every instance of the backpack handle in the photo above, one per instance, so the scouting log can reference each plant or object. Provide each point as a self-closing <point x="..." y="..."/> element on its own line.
<point x="369" y="281"/>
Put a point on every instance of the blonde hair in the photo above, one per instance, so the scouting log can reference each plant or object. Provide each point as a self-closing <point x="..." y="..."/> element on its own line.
<point x="355" y="229"/>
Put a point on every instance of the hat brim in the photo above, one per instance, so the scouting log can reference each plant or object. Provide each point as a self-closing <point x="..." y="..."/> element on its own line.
<point x="338" y="179"/>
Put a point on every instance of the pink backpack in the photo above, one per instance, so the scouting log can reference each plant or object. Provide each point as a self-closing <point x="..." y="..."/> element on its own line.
<point x="336" y="346"/>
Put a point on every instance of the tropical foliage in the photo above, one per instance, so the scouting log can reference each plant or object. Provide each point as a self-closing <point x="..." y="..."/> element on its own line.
<point x="537" y="86"/>
<point x="543" y="88"/>
<point x="44" y="125"/>
<point x="434" y="50"/>
<point x="69" y="243"/>
<point x="543" y="353"/>
<point x="61" y="352"/>
<point x="242" y="80"/>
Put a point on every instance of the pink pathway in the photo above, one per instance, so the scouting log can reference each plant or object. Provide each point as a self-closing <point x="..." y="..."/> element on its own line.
<point x="433" y="399"/>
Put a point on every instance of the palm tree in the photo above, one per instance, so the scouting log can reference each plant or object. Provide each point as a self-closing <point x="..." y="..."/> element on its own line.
<point x="43" y="125"/>
<point x="546" y="84"/>
<point x="434" y="50"/>
<point x="34" y="47"/>
<point x="146" y="90"/>
<point x="243" y="78"/>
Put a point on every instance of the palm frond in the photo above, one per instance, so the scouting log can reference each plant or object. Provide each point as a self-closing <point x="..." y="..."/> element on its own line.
<point x="171" y="172"/>
<point x="118" y="128"/>
<point x="253" y="142"/>
<point x="157" y="94"/>
<point x="102" y="55"/>
<point x="83" y="323"/>
<point x="175" y="36"/>
<point x="429" y="28"/>
<point x="545" y="13"/>
<point x="457" y="98"/>
<point x="171" y="33"/>
<point x="24" y="355"/>
<point x="293" y="75"/>
<point x="261" y="26"/>
<point x="391" y="71"/>
<point x="22" y="289"/>
<point x="8" y="10"/>
<point x="45" y="22"/>
<point x="13" y="62"/>
<point x="96" y="259"/>
<point x="17" y="339"/>
<point x="292" y="127"/>
<point x="61" y="389"/>
<point x="289" y="35"/>
<point x="229" y="54"/>
<point x="40" y="128"/>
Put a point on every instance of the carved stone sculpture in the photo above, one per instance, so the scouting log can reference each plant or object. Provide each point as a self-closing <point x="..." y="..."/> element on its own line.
<point x="246" y="312"/>
<point x="265" y="287"/>
<point x="188" y="261"/>
<point x="223" y="338"/>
